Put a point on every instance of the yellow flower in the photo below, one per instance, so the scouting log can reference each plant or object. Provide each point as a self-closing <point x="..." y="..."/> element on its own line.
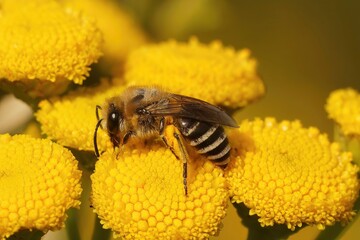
<point x="39" y="181"/>
<point x="287" y="174"/>
<point x="343" y="106"/>
<point x="41" y="40"/>
<point x="121" y="34"/>
<point x="71" y="120"/>
<point x="216" y="74"/>
<point x="139" y="193"/>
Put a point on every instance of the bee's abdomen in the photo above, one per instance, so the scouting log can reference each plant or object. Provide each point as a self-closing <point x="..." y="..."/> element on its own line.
<point x="208" y="139"/>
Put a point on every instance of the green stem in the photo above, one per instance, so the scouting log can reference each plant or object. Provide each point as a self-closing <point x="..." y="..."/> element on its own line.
<point x="71" y="225"/>
<point x="100" y="232"/>
<point x="348" y="143"/>
<point x="76" y="217"/>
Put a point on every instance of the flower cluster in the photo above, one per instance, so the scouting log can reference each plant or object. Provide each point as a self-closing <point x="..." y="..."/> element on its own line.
<point x="282" y="172"/>
<point x="142" y="208"/>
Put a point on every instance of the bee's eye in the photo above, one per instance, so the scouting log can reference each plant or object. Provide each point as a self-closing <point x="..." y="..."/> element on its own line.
<point x="114" y="116"/>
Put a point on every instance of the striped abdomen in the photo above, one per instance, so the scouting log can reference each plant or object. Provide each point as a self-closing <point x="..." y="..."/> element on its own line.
<point x="208" y="139"/>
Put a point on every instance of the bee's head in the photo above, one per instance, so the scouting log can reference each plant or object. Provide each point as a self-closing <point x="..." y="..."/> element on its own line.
<point x="115" y="123"/>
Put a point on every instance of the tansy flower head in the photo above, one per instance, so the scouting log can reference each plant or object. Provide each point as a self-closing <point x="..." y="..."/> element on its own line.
<point x="287" y="174"/>
<point x="138" y="193"/>
<point x="71" y="120"/>
<point x="39" y="181"/>
<point x="343" y="106"/>
<point x="213" y="73"/>
<point x="42" y="40"/>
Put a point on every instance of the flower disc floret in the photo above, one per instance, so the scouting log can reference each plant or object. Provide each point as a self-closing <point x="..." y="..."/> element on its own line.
<point x="287" y="174"/>
<point x="139" y="194"/>
<point x="40" y="39"/>
<point x="214" y="73"/>
<point x="343" y="106"/>
<point x="39" y="181"/>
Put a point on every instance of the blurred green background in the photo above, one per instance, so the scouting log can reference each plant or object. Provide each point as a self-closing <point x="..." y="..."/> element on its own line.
<point x="305" y="49"/>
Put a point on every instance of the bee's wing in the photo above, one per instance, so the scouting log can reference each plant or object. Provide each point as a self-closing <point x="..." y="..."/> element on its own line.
<point x="188" y="107"/>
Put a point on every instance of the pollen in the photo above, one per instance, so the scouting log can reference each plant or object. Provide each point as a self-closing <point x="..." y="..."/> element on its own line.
<point x="71" y="120"/>
<point x="42" y="40"/>
<point x="39" y="182"/>
<point x="287" y="174"/>
<point x="138" y="192"/>
<point x="343" y="106"/>
<point x="214" y="73"/>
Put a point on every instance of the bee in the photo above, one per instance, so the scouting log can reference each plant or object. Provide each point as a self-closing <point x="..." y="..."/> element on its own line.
<point x="146" y="111"/>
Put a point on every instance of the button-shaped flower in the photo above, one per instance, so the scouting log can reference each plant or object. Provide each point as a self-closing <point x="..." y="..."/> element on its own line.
<point x="42" y="40"/>
<point x="39" y="181"/>
<point x="138" y="192"/>
<point x="343" y="106"/>
<point x="214" y="73"/>
<point x="287" y="174"/>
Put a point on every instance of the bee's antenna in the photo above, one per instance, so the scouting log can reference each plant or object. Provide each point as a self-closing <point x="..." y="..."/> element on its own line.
<point x="95" y="137"/>
<point x="97" y="112"/>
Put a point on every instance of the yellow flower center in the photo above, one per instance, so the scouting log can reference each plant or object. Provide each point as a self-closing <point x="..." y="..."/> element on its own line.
<point x="288" y="174"/>
<point x="39" y="181"/>
<point x="140" y="194"/>
<point x="42" y="40"/>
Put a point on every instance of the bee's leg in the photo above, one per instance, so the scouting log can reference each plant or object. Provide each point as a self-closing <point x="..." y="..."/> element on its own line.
<point x="163" y="138"/>
<point x="127" y="136"/>
<point x="170" y="147"/>
<point x="184" y="157"/>
<point x="162" y="126"/>
<point x="121" y="144"/>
